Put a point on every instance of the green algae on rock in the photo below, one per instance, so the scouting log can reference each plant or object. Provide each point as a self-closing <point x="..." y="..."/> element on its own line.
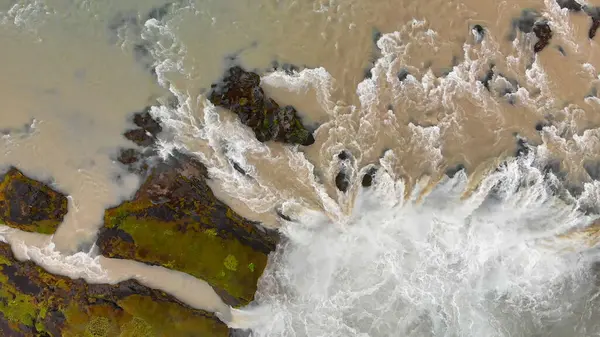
<point x="30" y="205"/>
<point x="34" y="302"/>
<point x="241" y="93"/>
<point x="175" y="221"/>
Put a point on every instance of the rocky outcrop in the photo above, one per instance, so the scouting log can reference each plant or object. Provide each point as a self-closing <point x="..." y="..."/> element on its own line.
<point x="176" y="221"/>
<point x="241" y="93"/>
<point x="30" y="205"/>
<point x="36" y="303"/>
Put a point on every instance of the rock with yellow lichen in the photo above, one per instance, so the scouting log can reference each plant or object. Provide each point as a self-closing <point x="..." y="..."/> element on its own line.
<point x="36" y="303"/>
<point x="30" y="205"/>
<point x="175" y="221"/>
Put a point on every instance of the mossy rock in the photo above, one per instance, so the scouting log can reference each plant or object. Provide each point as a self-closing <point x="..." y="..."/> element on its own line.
<point x="30" y="205"/>
<point x="176" y="221"/>
<point x="241" y="93"/>
<point x="34" y="302"/>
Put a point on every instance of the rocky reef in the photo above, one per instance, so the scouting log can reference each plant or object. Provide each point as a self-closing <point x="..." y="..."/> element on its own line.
<point x="241" y="93"/>
<point x="175" y="221"/>
<point x="30" y="205"/>
<point x="36" y="303"/>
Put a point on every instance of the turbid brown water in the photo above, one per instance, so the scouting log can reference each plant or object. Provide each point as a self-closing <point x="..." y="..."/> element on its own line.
<point x="411" y="87"/>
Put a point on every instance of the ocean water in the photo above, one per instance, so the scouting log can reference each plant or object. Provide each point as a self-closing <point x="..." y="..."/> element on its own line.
<point x="507" y="246"/>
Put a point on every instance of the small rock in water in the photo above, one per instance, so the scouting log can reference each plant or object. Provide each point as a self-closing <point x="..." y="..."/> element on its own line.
<point x="367" y="179"/>
<point x="562" y="50"/>
<point x="478" y="33"/>
<point x="488" y="77"/>
<point x="539" y="126"/>
<point x="376" y="35"/>
<point x="283" y="216"/>
<point x="594" y="27"/>
<point x="542" y="31"/>
<point x="403" y="74"/>
<point x="571" y="5"/>
<point x="238" y="168"/>
<point x="342" y="182"/>
<point x="522" y="147"/>
<point x="344" y="155"/>
<point x="452" y="171"/>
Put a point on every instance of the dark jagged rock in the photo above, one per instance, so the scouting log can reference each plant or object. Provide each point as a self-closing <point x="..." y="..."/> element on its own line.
<point x="148" y="129"/>
<point x="140" y="137"/>
<point x="241" y="93"/>
<point x="479" y="33"/>
<point x="540" y="125"/>
<point x="594" y="14"/>
<point x="129" y="156"/>
<point x="283" y="216"/>
<point x="594" y="27"/>
<point x="342" y="182"/>
<point x="452" y="171"/>
<point x="403" y="74"/>
<point x="542" y="31"/>
<point x="30" y="205"/>
<point x="36" y="303"/>
<point x="367" y="179"/>
<point x="175" y="221"/>
<point x="571" y="5"/>
<point x="238" y="168"/>
<point x="489" y="75"/>
<point x="530" y="22"/>
<point x="376" y="35"/>
<point x="522" y="147"/>
<point x="344" y="155"/>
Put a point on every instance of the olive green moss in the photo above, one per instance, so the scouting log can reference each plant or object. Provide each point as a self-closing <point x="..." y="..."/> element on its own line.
<point x="34" y="302"/>
<point x="198" y="252"/>
<point x="30" y="205"/>
<point x="175" y="221"/>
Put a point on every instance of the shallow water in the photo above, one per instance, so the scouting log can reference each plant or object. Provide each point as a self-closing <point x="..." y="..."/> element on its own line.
<point x="401" y="86"/>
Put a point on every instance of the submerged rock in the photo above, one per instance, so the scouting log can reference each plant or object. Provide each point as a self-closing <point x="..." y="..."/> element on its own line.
<point x="30" y="205"/>
<point x="34" y="302"/>
<point x="342" y="182"/>
<point x="571" y="5"/>
<point x="175" y="221"/>
<point x="241" y="93"/>
<point x="452" y="171"/>
<point x="367" y="179"/>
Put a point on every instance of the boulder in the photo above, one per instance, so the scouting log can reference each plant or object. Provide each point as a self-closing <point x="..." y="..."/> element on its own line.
<point x="240" y="92"/>
<point x="30" y="205"/>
